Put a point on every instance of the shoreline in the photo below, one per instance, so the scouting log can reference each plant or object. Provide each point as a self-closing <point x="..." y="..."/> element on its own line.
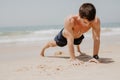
<point x="24" y="37"/>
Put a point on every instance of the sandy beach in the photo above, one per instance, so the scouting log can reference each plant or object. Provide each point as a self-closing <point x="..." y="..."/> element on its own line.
<point x="22" y="61"/>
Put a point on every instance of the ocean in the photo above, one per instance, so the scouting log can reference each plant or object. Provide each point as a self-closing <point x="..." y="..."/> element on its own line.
<point x="31" y="34"/>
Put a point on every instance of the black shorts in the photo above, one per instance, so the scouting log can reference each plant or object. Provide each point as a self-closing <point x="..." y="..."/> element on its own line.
<point x="62" y="41"/>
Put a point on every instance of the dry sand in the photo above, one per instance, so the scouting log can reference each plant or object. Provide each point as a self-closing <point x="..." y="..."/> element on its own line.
<point x="22" y="62"/>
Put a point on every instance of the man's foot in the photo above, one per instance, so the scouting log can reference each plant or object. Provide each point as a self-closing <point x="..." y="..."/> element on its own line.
<point x="82" y="53"/>
<point x="76" y="62"/>
<point x="42" y="53"/>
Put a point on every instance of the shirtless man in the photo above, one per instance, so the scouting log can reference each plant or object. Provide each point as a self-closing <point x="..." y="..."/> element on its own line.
<point x="74" y="28"/>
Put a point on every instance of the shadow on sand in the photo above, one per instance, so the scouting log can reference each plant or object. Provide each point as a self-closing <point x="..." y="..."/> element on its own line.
<point x="86" y="58"/>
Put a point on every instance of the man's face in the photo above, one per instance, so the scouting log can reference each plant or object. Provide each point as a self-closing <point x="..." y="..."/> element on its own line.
<point x="86" y="22"/>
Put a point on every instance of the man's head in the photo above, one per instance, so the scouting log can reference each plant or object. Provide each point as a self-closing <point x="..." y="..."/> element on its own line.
<point x="87" y="11"/>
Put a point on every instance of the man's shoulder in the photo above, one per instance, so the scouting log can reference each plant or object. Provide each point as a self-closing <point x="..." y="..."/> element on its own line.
<point x="96" y="23"/>
<point x="70" y="19"/>
<point x="97" y="20"/>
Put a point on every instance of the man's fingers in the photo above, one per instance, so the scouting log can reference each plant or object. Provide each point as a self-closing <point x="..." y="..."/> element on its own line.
<point x="93" y="60"/>
<point x="76" y="62"/>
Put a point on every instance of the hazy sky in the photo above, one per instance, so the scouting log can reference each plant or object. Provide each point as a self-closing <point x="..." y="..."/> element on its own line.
<point x="50" y="12"/>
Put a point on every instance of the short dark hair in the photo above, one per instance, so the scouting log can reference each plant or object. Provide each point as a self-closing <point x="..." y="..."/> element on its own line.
<point x="88" y="11"/>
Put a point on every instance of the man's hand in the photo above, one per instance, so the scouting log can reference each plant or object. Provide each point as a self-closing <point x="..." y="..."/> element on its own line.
<point x="94" y="60"/>
<point x="76" y="62"/>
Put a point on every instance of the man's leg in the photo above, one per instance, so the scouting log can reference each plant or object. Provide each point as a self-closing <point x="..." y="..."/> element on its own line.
<point x="49" y="44"/>
<point x="77" y="42"/>
<point x="78" y="50"/>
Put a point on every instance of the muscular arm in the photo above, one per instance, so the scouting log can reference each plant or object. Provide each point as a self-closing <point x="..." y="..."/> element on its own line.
<point x="96" y="37"/>
<point x="68" y="33"/>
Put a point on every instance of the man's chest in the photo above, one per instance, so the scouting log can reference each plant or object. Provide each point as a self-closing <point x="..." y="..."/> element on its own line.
<point x="80" y="29"/>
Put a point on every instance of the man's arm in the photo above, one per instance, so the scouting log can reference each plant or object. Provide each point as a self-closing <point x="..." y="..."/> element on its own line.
<point x="96" y="37"/>
<point x="68" y="33"/>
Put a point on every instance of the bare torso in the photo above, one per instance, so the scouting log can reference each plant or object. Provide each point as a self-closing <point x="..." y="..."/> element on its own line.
<point x="78" y="27"/>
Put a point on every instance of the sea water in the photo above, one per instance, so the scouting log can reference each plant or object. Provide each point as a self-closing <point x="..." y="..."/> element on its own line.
<point x="29" y="34"/>
<point x="25" y="34"/>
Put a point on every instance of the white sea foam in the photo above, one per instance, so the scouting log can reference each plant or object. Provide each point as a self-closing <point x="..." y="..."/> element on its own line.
<point x="37" y="36"/>
<point x="110" y="31"/>
<point x="32" y="36"/>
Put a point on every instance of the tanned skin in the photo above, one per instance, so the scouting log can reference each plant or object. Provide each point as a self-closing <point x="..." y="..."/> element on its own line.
<point x="74" y="27"/>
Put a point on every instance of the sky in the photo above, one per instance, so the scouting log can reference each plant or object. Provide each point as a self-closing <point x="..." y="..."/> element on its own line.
<point x="52" y="12"/>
